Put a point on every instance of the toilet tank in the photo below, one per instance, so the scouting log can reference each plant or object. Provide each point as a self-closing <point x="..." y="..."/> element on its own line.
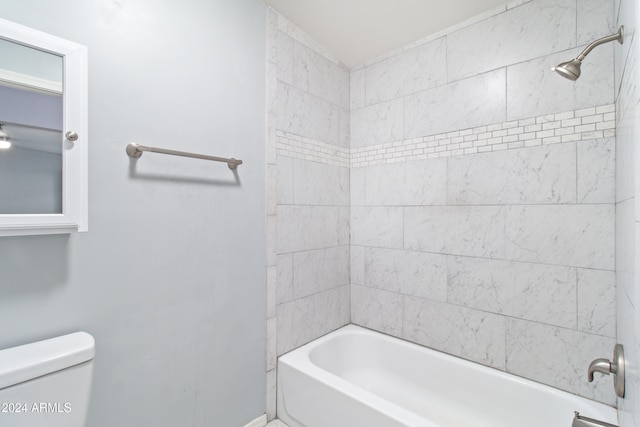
<point x="47" y="383"/>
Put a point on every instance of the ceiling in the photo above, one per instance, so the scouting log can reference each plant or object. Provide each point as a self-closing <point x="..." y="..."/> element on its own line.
<point x="358" y="30"/>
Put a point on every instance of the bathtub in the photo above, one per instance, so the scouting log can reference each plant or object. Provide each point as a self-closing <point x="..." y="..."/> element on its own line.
<point x="355" y="377"/>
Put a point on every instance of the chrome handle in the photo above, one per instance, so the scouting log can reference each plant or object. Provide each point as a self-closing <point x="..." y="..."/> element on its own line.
<point x="71" y="136"/>
<point x="616" y="367"/>
<point x="599" y="365"/>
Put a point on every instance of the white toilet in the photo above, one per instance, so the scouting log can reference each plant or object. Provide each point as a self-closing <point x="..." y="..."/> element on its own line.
<point x="47" y="383"/>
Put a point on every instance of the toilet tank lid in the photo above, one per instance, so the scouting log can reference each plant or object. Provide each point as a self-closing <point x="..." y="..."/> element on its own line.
<point x="29" y="361"/>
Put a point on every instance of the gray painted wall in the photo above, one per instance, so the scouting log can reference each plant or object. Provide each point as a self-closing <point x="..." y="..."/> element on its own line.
<point x="170" y="278"/>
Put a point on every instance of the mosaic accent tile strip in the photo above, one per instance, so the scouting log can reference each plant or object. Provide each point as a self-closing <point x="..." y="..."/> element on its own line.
<point x="578" y="125"/>
<point x="288" y="144"/>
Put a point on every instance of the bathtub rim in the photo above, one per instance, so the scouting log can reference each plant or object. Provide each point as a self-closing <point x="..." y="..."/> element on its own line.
<point x="305" y="366"/>
<point x="300" y="360"/>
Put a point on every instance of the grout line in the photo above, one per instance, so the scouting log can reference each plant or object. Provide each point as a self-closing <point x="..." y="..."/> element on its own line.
<point x="506" y="316"/>
<point x="576" y="173"/>
<point x="577" y="300"/>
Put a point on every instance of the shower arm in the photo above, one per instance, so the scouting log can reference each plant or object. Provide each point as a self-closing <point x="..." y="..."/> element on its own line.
<point x="617" y="36"/>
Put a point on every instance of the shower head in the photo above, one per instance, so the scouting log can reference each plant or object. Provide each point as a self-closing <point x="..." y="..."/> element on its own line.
<point x="571" y="69"/>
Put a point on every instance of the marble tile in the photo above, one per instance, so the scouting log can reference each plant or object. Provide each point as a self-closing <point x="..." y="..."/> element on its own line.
<point x="628" y="129"/>
<point x="625" y="416"/>
<point x="284" y="192"/>
<point x="597" y="171"/>
<point x="272" y="91"/>
<point x="548" y="354"/>
<point x="377" y="226"/>
<point x="410" y="71"/>
<point x="626" y="245"/>
<point x="357" y="88"/>
<point x="285" y="58"/>
<point x="627" y="412"/>
<point x="629" y="336"/>
<point x="384" y="80"/>
<point x="411" y="273"/>
<point x="320" y="270"/>
<point x="304" y="114"/>
<point x="272" y="36"/>
<point x="319" y="76"/>
<point x="414" y="183"/>
<point x="303" y="320"/>
<point x="284" y="278"/>
<point x="272" y="236"/>
<point x="424" y="66"/>
<point x="271" y="137"/>
<point x="541" y="293"/>
<point x="456" y="230"/>
<point x="534" y="90"/>
<point x="344" y="226"/>
<point x="271" y="398"/>
<point x="634" y="291"/>
<point x="357" y="265"/>
<point x="272" y="290"/>
<point x="271" y="344"/>
<point x="626" y="54"/>
<point x="272" y="189"/>
<point x="357" y="186"/>
<point x="376" y="309"/>
<point x="302" y="228"/>
<point x="626" y="78"/>
<point x="545" y="174"/>
<point x="471" y="334"/>
<point x="320" y="184"/>
<point x="543" y="26"/>
<point x="516" y="3"/>
<point x="633" y="341"/>
<point x="377" y="124"/>
<point x="595" y="19"/>
<point x="597" y="302"/>
<point x="462" y="104"/>
<point x="572" y="235"/>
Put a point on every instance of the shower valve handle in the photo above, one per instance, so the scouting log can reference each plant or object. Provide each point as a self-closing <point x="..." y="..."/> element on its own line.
<point x="615" y="367"/>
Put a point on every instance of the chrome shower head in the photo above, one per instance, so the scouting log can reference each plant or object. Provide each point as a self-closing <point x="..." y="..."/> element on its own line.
<point x="571" y="69"/>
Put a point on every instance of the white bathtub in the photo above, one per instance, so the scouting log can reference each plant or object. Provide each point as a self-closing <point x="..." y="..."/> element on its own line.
<point x="355" y="377"/>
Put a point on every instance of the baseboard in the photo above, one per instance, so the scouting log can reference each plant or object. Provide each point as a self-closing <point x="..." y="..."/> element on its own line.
<point x="261" y="421"/>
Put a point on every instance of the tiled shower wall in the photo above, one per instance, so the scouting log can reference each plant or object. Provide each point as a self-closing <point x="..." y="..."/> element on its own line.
<point x="308" y="194"/>
<point x="457" y="185"/>
<point x="483" y="191"/>
<point x="628" y="205"/>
